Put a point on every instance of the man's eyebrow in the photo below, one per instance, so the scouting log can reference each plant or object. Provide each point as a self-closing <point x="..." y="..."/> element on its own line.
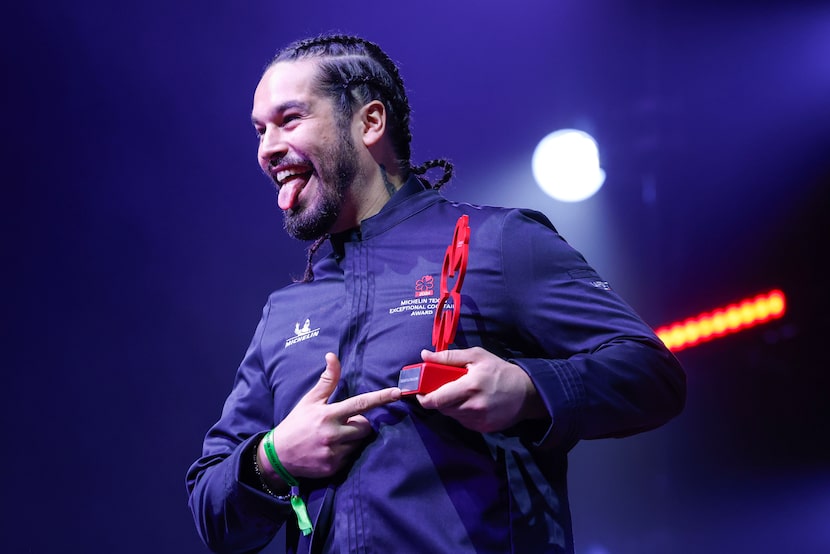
<point x="291" y="104"/>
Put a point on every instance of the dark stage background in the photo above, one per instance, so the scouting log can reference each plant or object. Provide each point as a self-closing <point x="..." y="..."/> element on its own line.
<point x="140" y="241"/>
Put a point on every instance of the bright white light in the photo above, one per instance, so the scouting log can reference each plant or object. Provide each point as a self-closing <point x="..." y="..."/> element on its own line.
<point x="566" y="165"/>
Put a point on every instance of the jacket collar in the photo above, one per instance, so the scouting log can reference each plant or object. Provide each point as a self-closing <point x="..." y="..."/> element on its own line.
<point x="411" y="198"/>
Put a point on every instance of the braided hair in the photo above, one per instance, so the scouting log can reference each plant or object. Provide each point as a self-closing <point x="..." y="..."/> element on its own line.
<point x="353" y="72"/>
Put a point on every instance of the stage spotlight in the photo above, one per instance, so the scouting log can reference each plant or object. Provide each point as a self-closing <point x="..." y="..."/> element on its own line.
<point x="566" y="165"/>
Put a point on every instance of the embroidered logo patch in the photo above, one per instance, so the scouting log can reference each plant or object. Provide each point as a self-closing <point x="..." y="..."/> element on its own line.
<point x="603" y="285"/>
<point x="425" y="286"/>
<point x="302" y="333"/>
<point x="422" y="303"/>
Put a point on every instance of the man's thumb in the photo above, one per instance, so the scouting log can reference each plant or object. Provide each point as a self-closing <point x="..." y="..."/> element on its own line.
<point x="328" y="380"/>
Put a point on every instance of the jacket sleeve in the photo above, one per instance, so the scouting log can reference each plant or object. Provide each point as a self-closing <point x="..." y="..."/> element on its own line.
<point x="231" y="513"/>
<point x="600" y="369"/>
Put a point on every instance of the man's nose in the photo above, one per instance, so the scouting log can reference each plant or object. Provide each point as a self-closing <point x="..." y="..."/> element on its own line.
<point x="272" y="148"/>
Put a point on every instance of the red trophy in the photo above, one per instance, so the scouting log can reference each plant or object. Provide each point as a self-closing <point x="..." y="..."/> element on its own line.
<point x="427" y="376"/>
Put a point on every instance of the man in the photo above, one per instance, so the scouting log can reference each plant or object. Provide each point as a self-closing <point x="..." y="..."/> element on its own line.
<point x="315" y="434"/>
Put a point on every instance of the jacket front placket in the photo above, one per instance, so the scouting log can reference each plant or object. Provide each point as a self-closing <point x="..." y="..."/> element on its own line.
<point x="358" y="284"/>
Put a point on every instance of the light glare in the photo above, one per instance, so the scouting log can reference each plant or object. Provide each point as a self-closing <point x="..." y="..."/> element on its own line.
<point x="566" y="165"/>
<point x="723" y="321"/>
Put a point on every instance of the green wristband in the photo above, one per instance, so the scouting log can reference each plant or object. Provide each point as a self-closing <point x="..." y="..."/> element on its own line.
<point x="297" y="503"/>
<point x="271" y="454"/>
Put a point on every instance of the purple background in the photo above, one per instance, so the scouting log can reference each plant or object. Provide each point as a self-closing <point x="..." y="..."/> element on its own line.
<point x="140" y="241"/>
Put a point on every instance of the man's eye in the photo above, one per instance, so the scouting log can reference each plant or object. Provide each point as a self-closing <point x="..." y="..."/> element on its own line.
<point x="259" y="132"/>
<point x="288" y="118"/>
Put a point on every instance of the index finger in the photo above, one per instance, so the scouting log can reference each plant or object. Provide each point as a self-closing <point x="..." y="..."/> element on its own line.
<point x="456" y="357"/>
<point x="364" y="402"/>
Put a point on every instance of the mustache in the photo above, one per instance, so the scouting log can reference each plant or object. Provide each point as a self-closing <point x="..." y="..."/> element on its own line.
<point x="287" y="160"/>
<point x="277" y="165"/>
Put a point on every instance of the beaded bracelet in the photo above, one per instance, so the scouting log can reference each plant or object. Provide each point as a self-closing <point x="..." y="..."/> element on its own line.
<point x="261" y="478"/>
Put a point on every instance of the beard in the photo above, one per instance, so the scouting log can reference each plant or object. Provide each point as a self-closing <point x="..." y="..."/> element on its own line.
<point x="336" y="170"/>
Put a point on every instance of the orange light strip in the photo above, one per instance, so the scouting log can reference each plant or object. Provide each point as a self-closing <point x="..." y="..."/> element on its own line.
<point x="723" y="321"/>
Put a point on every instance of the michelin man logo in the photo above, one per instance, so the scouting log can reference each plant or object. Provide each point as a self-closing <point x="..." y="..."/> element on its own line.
<point x="306" y="328"/>
<point x="302" y="333"/>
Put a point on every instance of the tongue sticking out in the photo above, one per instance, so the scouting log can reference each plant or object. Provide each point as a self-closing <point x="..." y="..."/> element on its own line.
<point x="290" y="191"/>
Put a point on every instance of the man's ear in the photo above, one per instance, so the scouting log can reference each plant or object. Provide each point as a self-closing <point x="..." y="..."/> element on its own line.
<point x="372" y="122"/>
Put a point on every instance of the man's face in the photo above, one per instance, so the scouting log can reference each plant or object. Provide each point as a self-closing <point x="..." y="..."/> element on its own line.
<point x="303" y="148"/>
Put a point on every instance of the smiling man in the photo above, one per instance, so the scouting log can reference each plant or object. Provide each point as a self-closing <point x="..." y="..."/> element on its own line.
<point x="316" y="436"/>
<point x="308" y="152"/>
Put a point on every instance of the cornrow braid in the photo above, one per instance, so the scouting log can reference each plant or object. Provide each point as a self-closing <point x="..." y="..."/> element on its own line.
<point x="309" y="267"/>
<point x="443" y="163"/>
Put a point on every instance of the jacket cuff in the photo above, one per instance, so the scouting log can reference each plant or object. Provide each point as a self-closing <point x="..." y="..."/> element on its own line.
<point x="560" y="386"/>
<point x="243" y="485"/>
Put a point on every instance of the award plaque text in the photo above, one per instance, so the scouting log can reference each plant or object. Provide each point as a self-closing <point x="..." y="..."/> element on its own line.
<point x="427" y="376"/>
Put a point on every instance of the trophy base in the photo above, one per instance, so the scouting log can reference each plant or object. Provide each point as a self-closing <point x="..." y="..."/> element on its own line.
<point x="425" y="377"/>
